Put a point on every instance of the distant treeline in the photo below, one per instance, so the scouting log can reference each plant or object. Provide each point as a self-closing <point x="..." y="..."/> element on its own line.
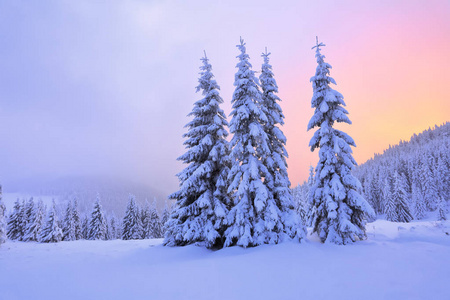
<point x="31" y="221"/>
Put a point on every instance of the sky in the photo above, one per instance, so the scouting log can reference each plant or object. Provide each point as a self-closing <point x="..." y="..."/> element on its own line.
<point x="104" y="87"/>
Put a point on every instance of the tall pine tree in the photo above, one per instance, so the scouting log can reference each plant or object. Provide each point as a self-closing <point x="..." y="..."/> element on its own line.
<point x="51" y="232"/>
<point x="400" y="198"/>
<point x="164" y="218"/>
<point x="390" y="208"/>
<point x="68" y="224"/>
<point x="14" y="225"/>
<point x="311" y="208"/>
<point x="27" y="215"/>
<point x="112" y="228"/>
<point x="341" y="210"/>
<point x="418" y="202"/>
<point x="85" y="228"/>
<point x="131" y="225"/>
<point x="255" y="217"/>
<point x="78" y="230"/>
<point x="107" y="234"/>
<point x="429" y="184"/>
<point x="275" y="160"/>
<point x="97" y="222"/>
<point x="154" y="222"/>
<point x="442" y="204"/>
<point x="23" y="219"/>
<point x="34" y="226"/>
<point x="202" y="199"/>
<point x="145" y="220"/>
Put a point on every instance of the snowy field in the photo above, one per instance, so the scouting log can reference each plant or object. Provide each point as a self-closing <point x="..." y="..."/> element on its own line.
<point x="398" y="261"/>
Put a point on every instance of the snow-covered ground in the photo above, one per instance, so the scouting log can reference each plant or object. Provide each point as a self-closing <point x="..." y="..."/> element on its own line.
<point x="397" y="261"/>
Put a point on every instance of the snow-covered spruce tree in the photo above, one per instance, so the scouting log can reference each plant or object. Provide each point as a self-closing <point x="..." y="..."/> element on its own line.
<point x="14" y="225"/>
<point x="400" y="199"/>
<point x="145" y="221"/>
<point x="311" y="208"/>
<point x="442" y="209"/>
<point x="429" y="184"/>
<point x="97" y="222"/>
<point x="154" y="222"/>
<point x="371" y="187"/>
<point x="85" y="228"/>
<point x="298" y="196"/>
<point x="68" y="224"/>
<point x="418" y="202"/>
<point x="131" y="225"/>
<point x="35" y="224"/>
<point x="443" y="170"/>
<point x="375" y="192"/>
<point x="112" y="228"/>
<point x="390" y="208"/>
<point x="341" y="210"/>
<point x="51" y="232"/>
<point x="164" y="218"/>
<point x="2" y="219"/>
<point x="278" y="182"/>
<point x="202" y="200"/>
<point x="23" y="219"/>
<point x="78" y="229"/>
<point x="255" y="217"/>
<point x="306" y="205"/>
<point x="442" y="177"/>
<point x="107" y="234"/>
<point x="27" y="214"/>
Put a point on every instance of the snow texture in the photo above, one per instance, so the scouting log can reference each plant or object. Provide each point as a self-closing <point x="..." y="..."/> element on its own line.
<point x="397" y="261"/>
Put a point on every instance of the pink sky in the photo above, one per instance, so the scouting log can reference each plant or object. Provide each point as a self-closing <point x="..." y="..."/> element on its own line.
<point x="90" y="87"/>
<point x="391" y="64"/>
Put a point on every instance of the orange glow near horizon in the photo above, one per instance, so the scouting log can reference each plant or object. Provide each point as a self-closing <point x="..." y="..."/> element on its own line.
<point x="395" y="83"/>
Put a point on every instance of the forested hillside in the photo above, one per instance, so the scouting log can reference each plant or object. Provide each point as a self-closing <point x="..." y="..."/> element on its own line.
<point x="406" y="181"/>
<point x="422" y="165"/>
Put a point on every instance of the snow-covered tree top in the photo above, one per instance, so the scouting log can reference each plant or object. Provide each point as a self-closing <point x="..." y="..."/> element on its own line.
<point x="270" y="88"/>
<point x="246" y="96"/>
<point x="328" y="103"/>
<point x="265" y="55"/>
<point x="318" y="45"/>
<point x="206" y="81"/>
<point x="266" y="78"/>
<point x="245" y="76"/>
